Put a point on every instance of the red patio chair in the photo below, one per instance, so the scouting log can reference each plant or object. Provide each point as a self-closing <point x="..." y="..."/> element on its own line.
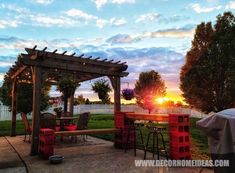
<point x="27" y="127"/>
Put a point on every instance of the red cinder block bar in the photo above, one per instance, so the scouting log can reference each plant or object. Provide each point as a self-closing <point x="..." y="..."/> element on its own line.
<point x="46" y="142"/>
<point x="179" y="134"/>
<point x="121" y="122"/>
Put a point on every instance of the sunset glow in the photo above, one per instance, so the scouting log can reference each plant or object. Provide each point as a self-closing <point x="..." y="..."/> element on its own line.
<point x="147" y="35"/>
<point x="160" y="100"/>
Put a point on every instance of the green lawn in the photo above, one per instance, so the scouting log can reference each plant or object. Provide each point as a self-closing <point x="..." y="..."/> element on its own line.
<point x="199" y="146"/>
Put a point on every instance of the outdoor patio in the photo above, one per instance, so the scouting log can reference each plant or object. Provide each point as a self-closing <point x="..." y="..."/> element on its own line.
<point x="94" y="155"/>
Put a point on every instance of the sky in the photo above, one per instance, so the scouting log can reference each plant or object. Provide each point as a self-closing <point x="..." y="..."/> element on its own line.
<point x="147" y="34"/>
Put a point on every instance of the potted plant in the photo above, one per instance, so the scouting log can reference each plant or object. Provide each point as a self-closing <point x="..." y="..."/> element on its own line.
<point x="67" y="85"/>
<point x="102" y="88"/>
<point x="128" y="94"/>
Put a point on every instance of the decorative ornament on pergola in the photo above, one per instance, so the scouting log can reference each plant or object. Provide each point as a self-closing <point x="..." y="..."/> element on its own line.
<point x="40" y="66"/>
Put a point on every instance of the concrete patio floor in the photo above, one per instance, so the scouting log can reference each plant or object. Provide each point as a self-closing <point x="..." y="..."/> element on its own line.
<point x="94" y="155"/>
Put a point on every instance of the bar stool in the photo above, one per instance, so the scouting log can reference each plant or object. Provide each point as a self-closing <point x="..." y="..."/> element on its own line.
<point x="136" y="127"/>
<point x="156" y="132"/>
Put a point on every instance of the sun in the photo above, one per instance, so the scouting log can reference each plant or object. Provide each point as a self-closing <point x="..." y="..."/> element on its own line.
<point x="160" y="100"/>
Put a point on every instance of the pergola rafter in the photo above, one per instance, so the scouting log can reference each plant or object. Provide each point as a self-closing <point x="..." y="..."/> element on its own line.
<point x="41" y="66"/>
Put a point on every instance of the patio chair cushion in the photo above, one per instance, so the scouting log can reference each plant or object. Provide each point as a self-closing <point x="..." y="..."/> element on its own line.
<point x="71" y="127"/>
<point x="57" y="128"/>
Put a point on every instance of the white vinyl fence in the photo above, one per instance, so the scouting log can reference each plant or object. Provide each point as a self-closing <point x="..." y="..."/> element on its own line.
<point x="108" y="109"/>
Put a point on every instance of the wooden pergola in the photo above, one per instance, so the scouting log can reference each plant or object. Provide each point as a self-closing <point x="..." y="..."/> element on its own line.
<point x="40" y="66"/>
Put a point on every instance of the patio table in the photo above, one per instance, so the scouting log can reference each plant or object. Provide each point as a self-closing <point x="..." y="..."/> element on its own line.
<point x="65" y="119"/>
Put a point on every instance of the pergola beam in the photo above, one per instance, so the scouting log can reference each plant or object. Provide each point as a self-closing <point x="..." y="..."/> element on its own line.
<point x="74" y="58"/>
<point x="18" y="72"/>
<point x="49" y="63"/>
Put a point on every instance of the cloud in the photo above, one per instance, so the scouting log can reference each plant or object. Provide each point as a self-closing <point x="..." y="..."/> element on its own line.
<point x="174" y="18"/>
<point x="48" y="21"/>
<point x="184" y="32"/>
<point x="5" y="64"/>
<point x="100" y="3"/>
<point x="198" y="9"/>
<point x="118" y="22"/>
<point x="43" y="2"/>
<point x="212" y="1"/>
<point x="122" y="38"/>
<point x="8" y="23"/>
<point x="147" y="17"/>
<point x="230" y="5"/>
<point x="171" y="33"/>
<point x="73" y="18"/>
<point x="24" y="16"/>
<point x="13" y="7"/>
<point x="1" y="76"/>
<point x="100" y="23"/>
<point x="167" y="62"/>
<point x="122" y="1"/>
<point x="80" y="14"/>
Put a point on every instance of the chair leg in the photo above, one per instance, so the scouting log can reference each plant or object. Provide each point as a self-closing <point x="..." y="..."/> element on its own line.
<point x="25" y="137"/>
<point x="164" y="146"/>
<point x="83" y="136"/>
<point x="146" y="146"/>
<point x="153" y="144"/>
<point x="157" y="146"/>
<point x="141" y="136"/>
<point x="29" y="137"/>
<point x="127" y="139"/>
<point x="134" y="143"/>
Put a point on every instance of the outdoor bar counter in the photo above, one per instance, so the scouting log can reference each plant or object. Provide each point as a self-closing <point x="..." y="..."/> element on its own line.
<point x="178" y="130"/>
<point x="148" y="117"/>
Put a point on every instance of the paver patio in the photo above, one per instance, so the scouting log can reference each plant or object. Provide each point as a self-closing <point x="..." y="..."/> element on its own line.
<point x="95" y="155"/>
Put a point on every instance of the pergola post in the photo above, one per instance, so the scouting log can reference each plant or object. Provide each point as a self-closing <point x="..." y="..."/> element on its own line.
<point x="65" y="104"/>
<point x="13" y="107"/>
<point x="37" y="85"/>
<point x="115" y="80"/>
<point x="71" y="104"/>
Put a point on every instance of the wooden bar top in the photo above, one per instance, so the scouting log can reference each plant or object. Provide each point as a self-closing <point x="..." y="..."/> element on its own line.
<point x="67" y="118"/>
<point x="150" y="117"/>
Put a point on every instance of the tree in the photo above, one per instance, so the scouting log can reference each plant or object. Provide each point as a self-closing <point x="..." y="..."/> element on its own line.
<point x="207" y="79"/>
<point x="87" y="102"/>
<point x="102" y="88"/>
<point x="148" y="87"/>
<point x="24" y="96"/>
<point x="67" y="85"/>
<point x="79" y="100"/>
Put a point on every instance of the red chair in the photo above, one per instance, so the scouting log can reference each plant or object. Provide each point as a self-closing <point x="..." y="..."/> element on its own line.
<point x="27" y="127"/>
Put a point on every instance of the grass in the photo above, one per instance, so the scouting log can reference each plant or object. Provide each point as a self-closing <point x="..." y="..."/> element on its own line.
<point x="199" y="145"/>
